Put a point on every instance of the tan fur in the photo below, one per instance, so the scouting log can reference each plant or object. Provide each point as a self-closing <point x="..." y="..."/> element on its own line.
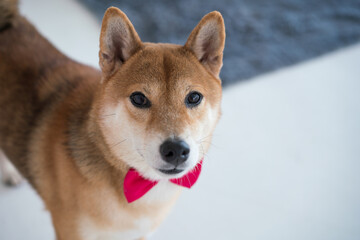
<point x="74" y="136"/>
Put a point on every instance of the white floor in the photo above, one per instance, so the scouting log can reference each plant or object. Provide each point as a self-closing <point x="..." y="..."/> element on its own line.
<point x="285" y="161"/>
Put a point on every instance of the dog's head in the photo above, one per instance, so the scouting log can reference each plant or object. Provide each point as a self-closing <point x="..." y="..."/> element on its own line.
<point x="159" y="102"/>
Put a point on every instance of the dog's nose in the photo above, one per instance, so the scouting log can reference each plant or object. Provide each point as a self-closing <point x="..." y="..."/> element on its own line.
<point x="174" y="152"/>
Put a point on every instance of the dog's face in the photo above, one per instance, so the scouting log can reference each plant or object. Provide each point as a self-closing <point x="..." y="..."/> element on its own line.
<point x="159" y="102"/>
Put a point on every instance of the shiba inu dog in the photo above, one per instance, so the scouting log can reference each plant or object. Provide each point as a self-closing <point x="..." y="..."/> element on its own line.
<point x="75" y="132"/>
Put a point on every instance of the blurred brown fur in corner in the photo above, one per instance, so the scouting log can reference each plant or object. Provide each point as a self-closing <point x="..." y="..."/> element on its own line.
<point x="8" y="11"/>
<point x="73" y="132"/>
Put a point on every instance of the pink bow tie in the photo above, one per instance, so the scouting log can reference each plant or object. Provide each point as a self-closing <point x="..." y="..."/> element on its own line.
<point x="135" y="186"/>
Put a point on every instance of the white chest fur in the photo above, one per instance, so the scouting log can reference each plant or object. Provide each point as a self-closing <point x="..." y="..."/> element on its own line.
<point x="141" y="228"/>
<point x="124" y="224"/>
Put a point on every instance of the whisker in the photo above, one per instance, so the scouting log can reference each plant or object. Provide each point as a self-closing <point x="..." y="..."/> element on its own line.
<point x="187" y="177"/>
<point x="211" y="143"/>
<point x="139" y="152"/>
<point x="108" y="115"/>
<point x="114" y="145"/>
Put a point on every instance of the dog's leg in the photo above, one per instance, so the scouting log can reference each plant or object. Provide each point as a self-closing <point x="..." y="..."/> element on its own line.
<point x="9" y="175"/>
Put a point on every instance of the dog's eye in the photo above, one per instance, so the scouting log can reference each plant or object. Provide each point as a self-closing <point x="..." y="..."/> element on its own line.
<point x="139" y="100"/>
<point x="193" y="99"/>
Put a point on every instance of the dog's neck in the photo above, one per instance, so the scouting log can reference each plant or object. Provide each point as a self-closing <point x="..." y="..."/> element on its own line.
<point x="87" y="148"/>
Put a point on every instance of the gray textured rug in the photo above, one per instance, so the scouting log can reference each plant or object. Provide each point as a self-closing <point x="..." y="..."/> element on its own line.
<point x="262" y="35"/>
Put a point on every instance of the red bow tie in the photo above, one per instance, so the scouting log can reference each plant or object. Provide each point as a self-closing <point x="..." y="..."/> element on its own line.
<point x="135" y="186"/>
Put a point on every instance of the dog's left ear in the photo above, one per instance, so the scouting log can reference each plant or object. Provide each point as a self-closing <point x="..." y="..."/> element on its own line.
<point x="118" y="41"/>
<point x="207" y="42"/>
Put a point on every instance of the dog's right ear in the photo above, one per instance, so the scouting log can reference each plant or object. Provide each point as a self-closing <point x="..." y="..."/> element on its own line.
<point x="118" y="41"/>
<point x="207" y="42"/>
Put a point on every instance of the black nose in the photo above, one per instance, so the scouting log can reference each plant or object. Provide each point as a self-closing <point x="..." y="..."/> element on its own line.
<point x="174" y="152"/>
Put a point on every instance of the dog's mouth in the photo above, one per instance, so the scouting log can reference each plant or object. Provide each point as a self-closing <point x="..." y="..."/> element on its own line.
<point x="171" y="171"/>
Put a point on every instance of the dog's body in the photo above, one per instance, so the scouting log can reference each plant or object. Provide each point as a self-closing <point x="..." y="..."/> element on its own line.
<point x="73" y="133"/>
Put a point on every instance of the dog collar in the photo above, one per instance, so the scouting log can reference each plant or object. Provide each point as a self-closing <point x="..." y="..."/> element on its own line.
<point x="136" y="186"/>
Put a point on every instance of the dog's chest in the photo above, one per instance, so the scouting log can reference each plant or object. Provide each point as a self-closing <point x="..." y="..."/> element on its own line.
<point x="134" y="221"/>
<point x="141" y="227"/>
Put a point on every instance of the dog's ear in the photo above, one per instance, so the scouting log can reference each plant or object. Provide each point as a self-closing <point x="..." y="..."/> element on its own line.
<point x="207" y="42"/>
<point x="118" y="41"/>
